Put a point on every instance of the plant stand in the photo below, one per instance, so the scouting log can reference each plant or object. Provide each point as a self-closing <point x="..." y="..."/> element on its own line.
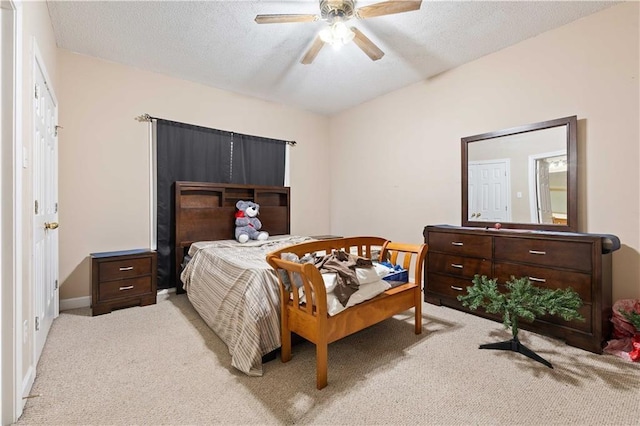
<point x="520" y="299"/>
<point x="515" y="346"/>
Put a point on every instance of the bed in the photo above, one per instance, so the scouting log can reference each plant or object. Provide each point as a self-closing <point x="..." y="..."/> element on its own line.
<point x="235" y="287"/>
<point x="222" y="269"/>
<point x="313" y="321"/>
<point x="235" y="291"/>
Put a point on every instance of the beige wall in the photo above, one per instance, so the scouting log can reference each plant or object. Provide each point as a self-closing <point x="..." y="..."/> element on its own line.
<point x="104" y="155"/>
<point x="37" y="34"/>
<point x="405" y="146"/>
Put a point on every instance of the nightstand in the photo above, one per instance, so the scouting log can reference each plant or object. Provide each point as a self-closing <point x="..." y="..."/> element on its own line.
<point x="121" y="279"/>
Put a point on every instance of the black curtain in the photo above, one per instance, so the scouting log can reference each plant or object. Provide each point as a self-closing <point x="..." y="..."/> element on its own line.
<point x="192" y="153"/>
<point x="257" y="161"/>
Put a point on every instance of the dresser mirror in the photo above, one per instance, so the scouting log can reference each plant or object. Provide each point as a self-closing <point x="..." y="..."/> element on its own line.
<point x="524" y="177"/>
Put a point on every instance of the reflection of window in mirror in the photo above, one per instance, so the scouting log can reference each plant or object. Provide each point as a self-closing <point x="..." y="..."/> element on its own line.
<point x="548" y="187"/>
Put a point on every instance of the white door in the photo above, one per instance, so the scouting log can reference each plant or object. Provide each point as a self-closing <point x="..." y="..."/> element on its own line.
<point x="45" y="206"/>
<point x="490" y="191"/>
<point x="543" y="192"/>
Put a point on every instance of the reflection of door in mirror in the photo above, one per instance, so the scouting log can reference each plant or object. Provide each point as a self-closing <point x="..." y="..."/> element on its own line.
<point x="489" y="190"/>
<point x="548" y="187"/>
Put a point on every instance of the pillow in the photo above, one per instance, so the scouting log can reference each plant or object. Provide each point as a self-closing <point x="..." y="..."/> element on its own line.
<point x="330" y="280"/>
<point x="372" y="274"/>
<point x="334" y="306"/>
<point x="382" y="270"/>
<point x="284" y="275"/>
<point x="366" y="275"/>
<point x="365" y="292"/>
<point x="368" y="291"/>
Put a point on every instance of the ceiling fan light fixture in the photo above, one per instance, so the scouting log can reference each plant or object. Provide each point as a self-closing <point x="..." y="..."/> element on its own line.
<point x="338" y="34"/>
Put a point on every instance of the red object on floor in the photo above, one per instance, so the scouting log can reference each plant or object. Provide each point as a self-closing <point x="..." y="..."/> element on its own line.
<point x="626" y="342"/>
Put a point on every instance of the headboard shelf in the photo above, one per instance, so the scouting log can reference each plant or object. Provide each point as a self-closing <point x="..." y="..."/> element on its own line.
<point x="205" y="211"/>
<point x="270" y="198"/>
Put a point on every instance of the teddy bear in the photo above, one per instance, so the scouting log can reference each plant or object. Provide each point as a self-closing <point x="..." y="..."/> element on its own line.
<point x="247" y="223"/>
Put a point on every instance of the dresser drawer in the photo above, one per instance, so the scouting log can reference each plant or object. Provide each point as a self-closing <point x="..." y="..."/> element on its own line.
<point x="584" y="326"/>
<point x="447" y="286"/>
<point x="124" y="288"/>
<point x="465" y="267"/>
<point x="460" y="244"/>
<point x="124" y="268"/>
<point x="545" y="277"/>
<point x="558" y="254"/>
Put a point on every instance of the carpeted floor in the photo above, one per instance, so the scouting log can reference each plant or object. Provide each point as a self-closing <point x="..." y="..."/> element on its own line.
<point x="161" y="364"/>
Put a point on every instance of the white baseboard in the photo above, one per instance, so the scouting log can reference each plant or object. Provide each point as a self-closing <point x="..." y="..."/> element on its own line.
<point x="75" y="303"/>
<point x="27" y="384"/>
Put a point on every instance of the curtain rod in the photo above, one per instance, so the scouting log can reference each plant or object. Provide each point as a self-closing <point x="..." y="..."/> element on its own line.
<point x="148" y="118"/>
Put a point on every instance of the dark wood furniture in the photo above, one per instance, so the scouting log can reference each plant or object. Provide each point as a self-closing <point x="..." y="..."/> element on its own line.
<point x="205" y="211"/>
<point x="549" y="259"/>
<point x="120" y="279"/>
<point x="312" y="321"/>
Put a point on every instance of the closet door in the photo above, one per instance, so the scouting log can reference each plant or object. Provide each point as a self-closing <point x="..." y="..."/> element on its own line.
<point x="488" y="191"/>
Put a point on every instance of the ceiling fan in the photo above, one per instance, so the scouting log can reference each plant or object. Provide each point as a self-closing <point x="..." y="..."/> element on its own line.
<point x="336" y="13"/>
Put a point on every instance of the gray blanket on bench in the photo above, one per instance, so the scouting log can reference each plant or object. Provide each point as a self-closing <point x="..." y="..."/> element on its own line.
<point x="344" y="265"/>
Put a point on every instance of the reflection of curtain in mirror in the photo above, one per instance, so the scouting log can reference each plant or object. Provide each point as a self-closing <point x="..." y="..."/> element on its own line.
<point x="543" y="192"/>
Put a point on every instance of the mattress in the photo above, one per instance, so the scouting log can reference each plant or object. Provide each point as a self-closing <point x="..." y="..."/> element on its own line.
<point x="236" y="293"/>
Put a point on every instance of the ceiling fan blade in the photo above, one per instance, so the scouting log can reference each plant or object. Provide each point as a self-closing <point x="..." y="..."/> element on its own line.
<point x="388" y="8"/>
<point x="313" y="51"/>
<point x="281" y="19"/>
<point x="367" y="46"/>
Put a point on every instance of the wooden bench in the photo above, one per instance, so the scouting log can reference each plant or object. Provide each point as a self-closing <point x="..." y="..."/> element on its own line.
<point x="312" y="321"/>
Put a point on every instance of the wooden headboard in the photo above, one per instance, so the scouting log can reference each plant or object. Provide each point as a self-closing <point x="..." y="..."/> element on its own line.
<point x="205" y="211"/>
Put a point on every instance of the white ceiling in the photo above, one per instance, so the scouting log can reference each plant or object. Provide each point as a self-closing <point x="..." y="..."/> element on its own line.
<point x="218" y="44"/>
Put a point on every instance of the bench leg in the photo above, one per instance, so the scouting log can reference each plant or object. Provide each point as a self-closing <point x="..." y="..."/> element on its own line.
<point x="321" y="365"/>
<point x="285" y="348"/>
<point x="418" y="309"/>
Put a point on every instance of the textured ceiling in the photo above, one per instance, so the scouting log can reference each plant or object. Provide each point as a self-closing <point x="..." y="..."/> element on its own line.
<point x="218" y="44"/>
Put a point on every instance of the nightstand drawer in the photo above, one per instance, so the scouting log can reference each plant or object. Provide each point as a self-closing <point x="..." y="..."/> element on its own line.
<point x="124" y="288"/>
<point x="124" y="268"/>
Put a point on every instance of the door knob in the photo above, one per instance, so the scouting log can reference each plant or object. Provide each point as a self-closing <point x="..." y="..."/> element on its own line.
<point x="51" y="225"/>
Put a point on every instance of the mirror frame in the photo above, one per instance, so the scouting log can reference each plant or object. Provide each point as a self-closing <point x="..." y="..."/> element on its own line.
<point x="572" y="175"/>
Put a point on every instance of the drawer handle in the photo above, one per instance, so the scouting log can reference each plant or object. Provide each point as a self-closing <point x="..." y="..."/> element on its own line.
<point x="456" y="288"/>
<point x="538" y="280"/>
<point x="537" y="252"/>
<point x="456" y="265"/>
<point x="126" y="268"/>
<point x="457" y="243"/>
<point x="129" y="287"/>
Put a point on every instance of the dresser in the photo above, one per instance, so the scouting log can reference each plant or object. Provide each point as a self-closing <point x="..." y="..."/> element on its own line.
<point x="120" y="279"/>
<point x="550" y="259"/>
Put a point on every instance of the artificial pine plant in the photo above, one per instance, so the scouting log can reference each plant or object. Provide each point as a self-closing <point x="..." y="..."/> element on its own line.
<point x="633" y="317"/>
<point x="523" y="300"/>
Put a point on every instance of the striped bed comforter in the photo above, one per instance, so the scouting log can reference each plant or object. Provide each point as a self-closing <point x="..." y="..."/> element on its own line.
<point x="236" y="293"/>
